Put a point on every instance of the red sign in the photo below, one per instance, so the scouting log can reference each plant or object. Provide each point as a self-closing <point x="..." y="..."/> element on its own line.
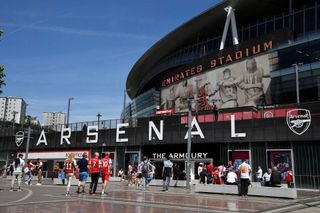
<point x="164" y="112"/>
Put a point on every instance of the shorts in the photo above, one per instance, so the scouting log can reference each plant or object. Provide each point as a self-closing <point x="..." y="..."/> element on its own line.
<point x="17" y="173"/>
<point x="69" y="175"/>
<point x="83" y="176"/>
<point x="105" y="177"/>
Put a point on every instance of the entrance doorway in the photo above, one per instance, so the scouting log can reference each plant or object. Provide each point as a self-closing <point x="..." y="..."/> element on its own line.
<point x="180" y="167"/>
<point x="132" y="158"/>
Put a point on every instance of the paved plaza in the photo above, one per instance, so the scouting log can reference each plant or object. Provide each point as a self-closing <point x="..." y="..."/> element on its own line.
<point x="121" y="198"/>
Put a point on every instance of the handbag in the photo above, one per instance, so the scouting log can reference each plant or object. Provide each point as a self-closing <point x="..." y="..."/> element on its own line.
<point x="26" y="170"/>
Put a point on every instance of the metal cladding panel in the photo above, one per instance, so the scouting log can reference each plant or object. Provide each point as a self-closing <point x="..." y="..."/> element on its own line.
<point x="307" y="166"/>
<point x="258" y="156"/>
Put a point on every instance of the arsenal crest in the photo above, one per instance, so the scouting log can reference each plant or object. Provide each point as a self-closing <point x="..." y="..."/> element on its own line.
<point x="299" y="120"/>
<point x="19" y="138"/>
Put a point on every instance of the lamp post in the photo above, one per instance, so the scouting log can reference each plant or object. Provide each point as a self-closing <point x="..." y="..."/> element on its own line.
<point x="14" y="119"/>
<point x="68" y="113"/>
<point x="189" y="145"/>
<point x="296" y="69"/>
<point x="99" y="116"/>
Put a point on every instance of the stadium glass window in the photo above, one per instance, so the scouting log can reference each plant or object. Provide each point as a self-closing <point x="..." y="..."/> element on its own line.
<point x="285" y="20"/>
<point x="279" y="23"/>
<point x="270" y="25"/>
<point x="298" y="23"/>
<point x="318" y="18"/>
<point x="261" y="29"/>
<point x="310" y="20"/>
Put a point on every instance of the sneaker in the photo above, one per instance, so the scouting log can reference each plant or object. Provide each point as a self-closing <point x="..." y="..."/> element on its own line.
<point x="38" y="184"/>
<point x="83" y="192"/>
<point x="68" y="194"/>
<point x="26" y="182"/>
<point x="103" y="194"/>
<point x="11" y="189"/>
<point x="19" y="190"/>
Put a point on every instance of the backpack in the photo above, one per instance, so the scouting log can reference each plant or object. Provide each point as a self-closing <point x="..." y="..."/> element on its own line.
<point x="16" y="162"/>
<point x="145" y="168"/>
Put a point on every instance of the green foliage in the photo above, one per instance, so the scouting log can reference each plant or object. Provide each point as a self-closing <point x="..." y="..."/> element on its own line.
<point x="2" y="75"/>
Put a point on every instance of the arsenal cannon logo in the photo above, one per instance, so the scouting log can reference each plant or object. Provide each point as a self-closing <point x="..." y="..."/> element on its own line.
<point x="19" y="138"/>
<point x="299" y="120"/>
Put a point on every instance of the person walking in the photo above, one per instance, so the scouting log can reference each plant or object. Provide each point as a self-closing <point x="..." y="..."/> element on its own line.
<point x="82" y="165"/>
<point x="167" y="173"/>
<point x="210" y="170"/>
<point x="18" y="165"/>
<point x="55" y="171"/>
<point x="62" y="175"/>
<point x="130" y="171"/>
<point x="69" y="167"/>
<point x="39" y="168"/>
<point x="106" y="165"/>
<point x="30" y="167"/>
<point x="245" y="171"/>
<point x="144" y="169"/>
<point x="95" y="166"/>
<point x="176" y="174"/>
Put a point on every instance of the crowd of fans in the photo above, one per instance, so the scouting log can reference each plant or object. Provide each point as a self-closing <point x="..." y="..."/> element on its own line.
<point x="230" y="175"/>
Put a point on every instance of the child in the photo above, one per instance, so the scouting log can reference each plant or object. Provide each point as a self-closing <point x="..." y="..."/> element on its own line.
<point x="289" y="178"/>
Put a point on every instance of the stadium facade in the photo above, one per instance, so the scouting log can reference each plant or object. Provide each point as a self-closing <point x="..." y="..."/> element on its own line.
<point x="264" y="78"/>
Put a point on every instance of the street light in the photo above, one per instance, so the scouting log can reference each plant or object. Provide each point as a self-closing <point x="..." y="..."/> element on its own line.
<point x="68" y="113"/>
<point x="190" y="100"/>
<point x="99" y="115"/>
<point x="189" y="145"/>
<point x="14" y="117"/>
<point x="296" y="69"/>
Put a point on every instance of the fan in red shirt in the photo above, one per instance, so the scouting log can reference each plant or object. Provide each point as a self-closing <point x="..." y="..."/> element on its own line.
<point x="216" y="178"/>
<point x="69" y="167"/>
<point x="95" y="165"/>
<point x="106" y="166"/>
<point x="210" y="169"/>
<point x="289" y="178"/>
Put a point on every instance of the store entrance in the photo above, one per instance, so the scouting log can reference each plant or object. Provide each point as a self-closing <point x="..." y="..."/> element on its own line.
<point x="179" y="168"/>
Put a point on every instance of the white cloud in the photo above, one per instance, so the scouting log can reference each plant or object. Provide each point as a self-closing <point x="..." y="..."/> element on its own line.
<point x="82" y="32"/>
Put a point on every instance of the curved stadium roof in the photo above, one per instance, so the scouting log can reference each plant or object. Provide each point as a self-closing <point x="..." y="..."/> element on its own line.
<point x="208" y="23"/>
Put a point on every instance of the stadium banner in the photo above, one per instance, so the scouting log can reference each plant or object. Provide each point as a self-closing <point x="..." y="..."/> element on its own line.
<point x="245" y="83"/>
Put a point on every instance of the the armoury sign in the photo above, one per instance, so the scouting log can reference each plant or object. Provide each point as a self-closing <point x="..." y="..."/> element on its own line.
<point x="198" y="155"/>
<point x="299" y="120"/>
<point x="92" y="133"/>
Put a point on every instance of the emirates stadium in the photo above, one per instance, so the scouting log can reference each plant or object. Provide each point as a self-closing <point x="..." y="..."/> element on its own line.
<point x="248" y="70"/>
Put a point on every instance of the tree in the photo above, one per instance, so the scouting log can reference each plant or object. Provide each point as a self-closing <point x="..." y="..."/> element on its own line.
<point x="2" y="75"/>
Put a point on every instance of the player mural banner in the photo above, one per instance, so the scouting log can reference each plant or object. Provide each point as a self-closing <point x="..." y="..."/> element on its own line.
<point x="246" y="83"/>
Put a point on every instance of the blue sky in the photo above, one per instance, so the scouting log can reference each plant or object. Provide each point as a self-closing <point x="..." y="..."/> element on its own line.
<point x="53" y="50"/>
